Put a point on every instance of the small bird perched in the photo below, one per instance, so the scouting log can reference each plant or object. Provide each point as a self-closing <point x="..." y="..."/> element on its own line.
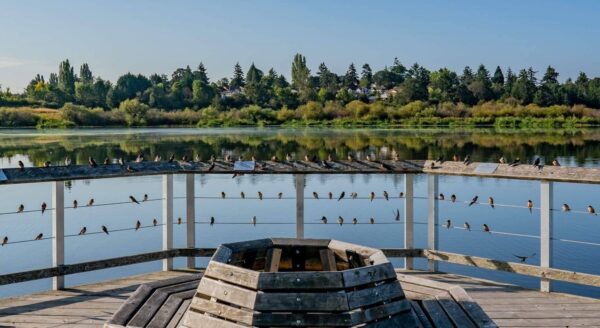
<point x="172" y="158"/>
<point x="340" y="220"/>
<point x="515" y="162"/>
<point x="453" y="198"/>
<point x="591" y="209"/>
<point x="491" y="202"/>
<point x="288" y="157"/>
<point x="5" y="240"/>
<point x="21" y="166"/>
<point x="75" y="203"/>
<point x="274" y="158"/>
<point x="138" y="225"/>
<point x="145" y="199"/>
<point x="502" y="160"/>
<point x="455" y="158"/>
<point x="90" y="202"/>
<point x="440" y="159"/>
<point x="223" y="194"/>
<point x="21" y="208"/>
<point x="254" y="220"/>
<point x="329" y="157"/>
<point x="467" y="226"/>
<point x="330" y="195"/>
<point x="133" y="200"/>
<point x="536" y="163"/>
<point x="211" y="167"/>
<point x="350" y="158"/>
<point x="44" y="206"/>
<point x="467" y="160"/>
<point x="474" y="200"/>
<point x="395" y="156"/>
<point x="92" y="161"/>
<point x="154" y="222"/>
<point x="157" y="158"/>
<point x="212" y="220"/>
<point x="242" y="195"/>
<point x="82" y="231"/>
<point x="486" y="228"/>
<point x="130" y="169"/>
<point x="372" y="196"/>
<point x="565" y="207"/>
<point x="280" y="195"/>
<point x="139" y="158"/>
<point x="342" y="195"/>
<point x="372" y="220"/>
<point x="441" y="196"/>
<point x="306" y="158"/>
<point x="432" y="165"/>
<point x="315" y="195"/>
<point x="325" y="165"/>
<point x="523" y="258"/>
<point x="105" y="230"/>
<point x="260" y="195"/>
<point x="47" y="164"/>
<point x="385" y="195"/>
<point x="67" y="161"/>
<point x="397" y="215"/>
<point x="401" y="195"/>
<point x="106" y="161"/>
<point x="324" y="219"/>
<point x="354" y="195"/>
<point x="530" y="205"/>
<point x="555" y="162"/>
<point x="120" y="161"/>
<point x="39" y="236"/>
<point x="354" y="221"/>
<point x="448" y="224"/>
<point x="179" y="220"/>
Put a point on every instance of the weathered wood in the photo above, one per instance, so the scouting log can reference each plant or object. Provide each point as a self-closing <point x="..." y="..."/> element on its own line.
<point x="409" y="225"/>
<point x="178" y="316"/>
<point x="222" y="310"/>
<point x="58" y="231"/>
<point x="300" y="280"/>
<point x="301" y="302"/>
<point x="432" y="218"/>
<point x="300" y="205"/>
<point x="197" y="320"/>
<point x="367" y="275"/>
<point x="328" y="260"/>
<point x="473" y="310"/>
<point x="228" y="293"/>
<point x="190" y="216"/>
<point x="379" y="312"/>
<point x="167" y="312"/>
<point x="373" y="295"/>
<point x="167" y="219"/>
<point x="233" y="274"/>
<point x="546" y="225"/>
<point x="436" y="313"/>
<point x="455" y="312"/>
<point x="273" y="258"/>
<point x="420" y="314"/>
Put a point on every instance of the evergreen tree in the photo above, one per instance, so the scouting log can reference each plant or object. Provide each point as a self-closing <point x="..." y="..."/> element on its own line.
<point x="464" y="93"/>
<point x="481" y="86"/>
<point x="66" y="78"/>
<point x="351" y="78"/>
<point x="498" y="77"/>
<point x="366" y="78"/>
<point x="511" y="79"/>
<point x="525" y="87"/>
<point x="237" y="81"/>
<point x="200" y="74"/>
<point x="53" y="80"/>
<point x="301" y="78"/>
<point x="85" y="74"/>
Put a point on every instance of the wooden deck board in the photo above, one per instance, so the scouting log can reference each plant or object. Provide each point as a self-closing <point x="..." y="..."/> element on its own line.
<point x="91" y="305"/>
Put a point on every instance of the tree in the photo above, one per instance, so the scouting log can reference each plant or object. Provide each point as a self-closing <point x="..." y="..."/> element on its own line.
<point x="66" y="78"/>
<point x="415" y="86"/>
<point x="85" y="74"/>
<point x="498" y="83"/>
<point x="237" y="82"/>
<point x="135" y="112"/>
<point x="481" y="86"/>
<point x="465" y="95"/>
<point x="328" y="83"/>
<point x="301" y="80"/>
<point x="525" y="86"/>
<point x="254" y="90"/>
<point x="511" y="79"/>
<point x="351" y="78"/>
<point x="549" y="91"/>
<point x="202" y="93"/>
<point x="366" y="77"/>
<point x="443" y="85"/>
<point x="200" y="74"/>
<point x="53" y="79"/>
<point x="128" y="86"/>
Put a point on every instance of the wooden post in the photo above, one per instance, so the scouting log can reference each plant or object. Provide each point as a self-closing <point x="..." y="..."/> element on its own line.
<point x="167" y="219"/>
<point x="58" y="231"/>
<point x="432" y="218"/>
<point x="190" y="213"/>
<point x="546" y="196"/>
<point x="408" y="218"/>
<point x="299" y="205"/>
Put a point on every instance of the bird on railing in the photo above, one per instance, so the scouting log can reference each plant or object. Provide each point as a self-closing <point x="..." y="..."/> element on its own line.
<point x="372" y="196"/>
<point x="441" y="196"/>
<point x="138" y="225"/>
<point x="211" y="167"/>
<point x="566" y="207"/>
<point x="453" y="198"/>
<point x="105" y="230"/>
<point x="67" y="161"/>
<point x="154" y="222"/>
<point x="172" y="158"/>
<point x="326" y="165"/>
<point x="486" y="228"/>
<point x="448" y="224"/>
<point x="385" y="195"/>
<point x="139" y="158"/>
<point x="330" y="195"/>
<point x="223" y="194"/>
<point x="397" y="215"/>
<point x="242" y="195"/>
<point x="145" y="199"/>
<point x="5" y="240"/>
<point x="157" y="158"/>
<point x="39" y="236"/>
<point x="274" y="158"/>
<point x="474" y="200"/>
<point x="21" y="166"/>
<point x="467" y="160"/>
<point x="254" y="221"/>
<point x="82" y="231"/>
<point x="75" y="204"/>
<point x="324" y="219"/>
<point x="133" y="200"/>
<point x="288" y="157"/>
<point x="212" y="220"/>
<point x="130" y="169"/>
<point x="455" y="158"/>
<point x="491" y="202"/>
<point x="536" y="163"/>
<point x="44" y="206"/>
<point x="355" y="221"/>
<point x="501" y="160"/>
<point x="467" y="226"/>
<point x="21" y="208"/>
<point x="120" y="161"/>
<point x="342" y="195"/>
<point x="515" y="162"/>
<point x="280" y="195"/>
<point x="372" y="220"/>
<point x="179" y="220"/>
<point x="440" y="159"/>
<point x="330" y="157"/>
<point x="591" y="209"/>
<point x="340" y="220"/>
<point x="395" y="156"/>
<point x="184" y="158"/>
<point x="315" y="195"/>
<point x="555" y="162"/>
<point x="90" y="202"/>
<point x="106" y="161"/>
<point x="260" y="195"/>
<point x="369" y="158"/>
<point x="47" y="164"/>
<point x="353" y="195"/>
<point x="432" y="166"/>
<point x="92" y="161"/>
<point x="530" y="206"/>
<point x="523" y="258"/>
<point x="350" y="158"/>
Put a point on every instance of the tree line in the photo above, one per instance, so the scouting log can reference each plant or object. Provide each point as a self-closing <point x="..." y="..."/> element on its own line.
<point x="394" y="85"/>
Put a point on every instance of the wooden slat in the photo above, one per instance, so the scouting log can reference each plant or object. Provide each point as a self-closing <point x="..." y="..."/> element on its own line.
<point x="395" y="321"/>
<point x="179" y="314"/>
<point x="373" y="295"/>
<point x="301" y="302"/>
<point x="454" y="311"/>
<point x="479" y="317"/>
<point x="222" y="310"/>
<point x="420" y="314"/>
<point x="380" y="311"/>
<point x="328" y="260"/>
<point x="233" y="274"/>
<point x="273" y="258"/>
<point x="197" y="320"/>
<point x="324" y="319"/>
<point x="228" y="293"/>
<point x="300" y="280"/>
<point x="367" y="275"/>
<point x="436" y="313"/>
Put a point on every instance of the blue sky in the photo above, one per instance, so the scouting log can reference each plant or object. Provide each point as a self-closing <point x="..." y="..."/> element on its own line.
<point x="147" y="36"/>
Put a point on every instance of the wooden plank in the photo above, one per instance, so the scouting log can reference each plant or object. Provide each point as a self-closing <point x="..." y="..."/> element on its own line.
<point x="178" y="316"/>
<point x="395" y="321"/>
<point x="355" y="260"/>
<point x="300" y="280"/>
<point x="222" y="310"/>
<point x="167" y="311"/>
<point x="122" y="316"/>
<point x="454" y="311"/>
<point x="367" y="275"/>
<point x="280" y="242"/>
<point x="552" y="322"/>
<point x="420" y="314"/>
<point x="328" y="260"/>
<point x="340" y="248"/>
<point x="233" y="274"/>
<point x="301" y="302"/>
<point x="227" y="292"/>
<point x="298" y="258"/>
<point x="475" y="312"/>
<point x="436" y="313"/>
<point x="316" y="319"/>
<point x="373" y="295"/>
<point x="197" y="320"/>
<point x="380" y="311"/>
<point x="273" y="258"/>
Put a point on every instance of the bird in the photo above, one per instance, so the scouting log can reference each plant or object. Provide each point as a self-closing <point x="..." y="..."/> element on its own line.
<point x="5" y="240"/>
<point x="440" y="159"/>
<point x="530" y="205"/>
<point x="105" y="230"/>
<point x="385" y="195"/>
<point x="565" y="207"/>
<point x="253" y="158"/>
<point x="555" y="162"/>
<point x="92" y="161"/>
<point x="67" y="161"/>
<point x="223" y="194"/>
<point x="130" y="169"/>
<point x="172" y="158"/>
<point x="467" y="226"/>
<point x="329" y="157"/>
<point x="397" y="215"/>
<point x="120" y="161"/>
<point x="354" y="195"/>
<point x="515" y="162"/>
<point x="106" y="161"/>
<point x="372" y="220"/>
<point x="368" y="158"/>
<point x="448" y="224"/>
<point x="325" y="164"/>
<point x="44" y="206"/>
<point x="138" y="225"/>
<point x="306" y="158"/>
<point x="432" y="165"/>
<point x="523" y="258"/>
<point x="75" y="203"/>
<point x="184" y="158"/>
<point x="315" y="195"/>
<point x="372" y="196"/>
<point x="212" y="220"/>
<point x="486" y="228"/>
<point x="401" y="195"/>
<point x="139" y="158"/>
<point x="491" y="202"/>
<point x="441" y="196"/>
<point x="536" y="162"/>
<point x="82" y="231"/>
<point x="324" y="219"/>
<point x="145" y="199"/>
<point x="211" y="167"/>
<point x="591" y="209"/>
<point x="467" y="160"/>
<point x="453" y="198"/>
<point x="21" y="208"/>
<point x="254" y="220"/>
<point x="154" y="222"/>
<point x="395" y="156"/>
<point x="157" y="158"/>
<point x="340" y="220"/>
<point x="342" y="195"/>
<point x="288" y="157"/>
<point x="260" y="195"/>
<point x="274" y="158"/>
<point x="179" y="220"/>
<point x="501" y="160"/>
<point x="474" y="200"/>
<point x="47" y="164"/>
<point x="90" y="202"/>
<point x="133" y="200"/>
<point x="354" y="221"/>
<point x="39" y="236"/>
<point x="330" y="195"/>
<point x="21" y="166"/>
<point x="242" y="195"/>
<point x="455" y="158"/>
<point x="350" y="158"/>
<point x="280" y="195"/>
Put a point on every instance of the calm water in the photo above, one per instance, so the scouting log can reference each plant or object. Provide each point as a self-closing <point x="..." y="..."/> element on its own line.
<point x="276" y="217"/>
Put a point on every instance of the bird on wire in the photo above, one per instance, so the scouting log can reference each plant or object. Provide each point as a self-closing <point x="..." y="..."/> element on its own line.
<point x="448" y="224"/>
<point x="372" y="196"/>
<point x="491" y="202"/>
<point x="324" y="219"/>
<point x="474" y="200"/>
<point x="145" y="199"/>
<point x="82" y="231"/>
<point x="21" y="208"/>
<point x="90" y="202"/>
<point x="342" y="195"/>
<point x="154" y="222"/>
<point x="401" y="195"/>
<point x="385" y="195"/>
<point x="21" y="166"/>
<point x="280" y="195"/>
<point x="260" y="195"/>
<point x="242" y="195"/>
<point x="138" y="225"/>
<point x="315" y="195"/>
<point x="223" y="194"/>
<point x="523" y="258"/>
<point x="565" y="207"/>
<point x="486" y="228"/>
<point x="212" y="220"/>
<point x="133" y="200"/>
<point x="179" y="220"/>
<point x="354" y="195"/>
<point x="591" y="209"/>
<point x="372" y="220"/>
<point x="330" y="195"/>
<point x="5" y="240"/>
<point x="105" y="230"/>
<point x="441" y="196"/>
<point x="453" y="198"/>
<point x="530" y="205"/>
<point x="354" y="221"/>
<point x="44" y="206"/>
<point x="340" y="220"/>
<point x="397" y="215"/>
<point x="75" y="204"/>
<point x="39" y="236"/>
<point x="254" y="221"/>
<point x="467" y="226"/>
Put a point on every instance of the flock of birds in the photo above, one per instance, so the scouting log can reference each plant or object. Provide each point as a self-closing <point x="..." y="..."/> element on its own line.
<point x="537" y="162"/>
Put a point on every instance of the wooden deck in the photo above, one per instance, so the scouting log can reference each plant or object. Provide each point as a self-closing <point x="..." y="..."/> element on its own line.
<point x="509" y="306"/>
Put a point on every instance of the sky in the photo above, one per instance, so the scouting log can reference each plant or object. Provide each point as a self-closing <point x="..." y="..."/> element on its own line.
<point x="150" y="36"/>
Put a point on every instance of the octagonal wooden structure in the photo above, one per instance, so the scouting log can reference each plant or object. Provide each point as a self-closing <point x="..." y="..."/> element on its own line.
<point x="281" y="282"/>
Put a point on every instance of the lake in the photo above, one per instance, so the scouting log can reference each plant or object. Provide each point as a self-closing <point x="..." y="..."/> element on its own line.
<point x="277" y="217"/>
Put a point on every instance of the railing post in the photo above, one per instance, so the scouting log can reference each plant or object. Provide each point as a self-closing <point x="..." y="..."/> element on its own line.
<point x="190" y="213"/>
<point x="408" y="218"/>
<point x="546" y="196"/>
<point x="299" y="205"/>
<point x="58" y="231"/>
<point x="167" y="219"/>
<point x="432" y="217"/>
